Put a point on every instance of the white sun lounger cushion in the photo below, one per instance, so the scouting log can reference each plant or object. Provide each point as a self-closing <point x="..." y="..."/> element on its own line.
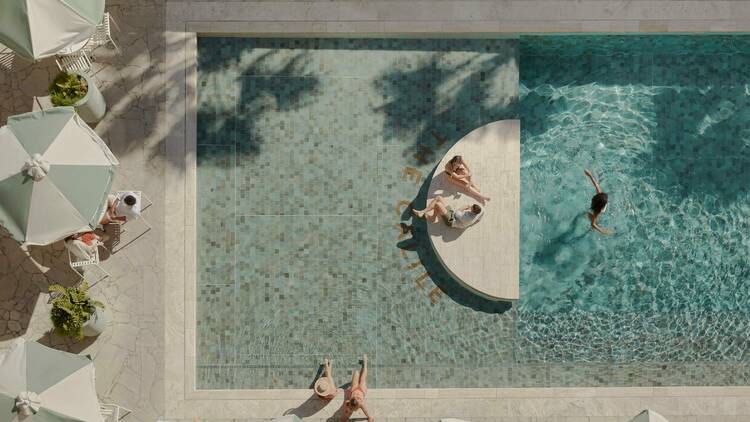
<point x="81" y="250"/>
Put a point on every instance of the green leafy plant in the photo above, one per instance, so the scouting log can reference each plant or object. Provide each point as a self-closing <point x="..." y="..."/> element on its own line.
<point x="71" y="308"/>
<point x="67" y="89"/>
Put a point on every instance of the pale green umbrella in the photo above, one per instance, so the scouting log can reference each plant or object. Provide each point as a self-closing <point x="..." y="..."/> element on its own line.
<point x="41" y="28"/>
<point x="649" y="416"/>
<point x="55" y="175"/>
<point x="42" y="384"/>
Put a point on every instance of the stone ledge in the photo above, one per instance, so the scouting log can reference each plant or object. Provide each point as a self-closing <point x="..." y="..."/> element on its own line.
<point x="483" y="257"/>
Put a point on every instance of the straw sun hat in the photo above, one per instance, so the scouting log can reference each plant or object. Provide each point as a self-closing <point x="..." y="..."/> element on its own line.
<point x="324" y="387"/>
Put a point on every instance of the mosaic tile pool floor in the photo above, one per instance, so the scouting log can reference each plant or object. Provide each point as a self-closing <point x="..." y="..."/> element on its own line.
<point x="309" y="151"/>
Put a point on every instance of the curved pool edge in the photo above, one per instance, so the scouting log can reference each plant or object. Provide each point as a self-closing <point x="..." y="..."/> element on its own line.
<point x="485" y="257"/>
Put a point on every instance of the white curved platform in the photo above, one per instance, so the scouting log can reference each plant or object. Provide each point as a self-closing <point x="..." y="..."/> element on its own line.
<point x="485" y="256"/>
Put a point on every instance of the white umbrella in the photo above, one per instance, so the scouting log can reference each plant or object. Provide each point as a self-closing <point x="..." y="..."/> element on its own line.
<point x="41" y="28"/>
<point x="649" y="416"/>
<point x="42" y="384"/>
<point x="55" y="175"/>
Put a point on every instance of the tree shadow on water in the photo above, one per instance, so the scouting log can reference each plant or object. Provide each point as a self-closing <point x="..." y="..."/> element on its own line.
<point x="241" y="89"/>
<point x="453" y="87"/>
<point x="448" y="95"/>
<point x="420" y="243"/>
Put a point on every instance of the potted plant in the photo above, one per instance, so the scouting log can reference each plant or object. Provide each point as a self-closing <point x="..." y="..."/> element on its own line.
<point x="78" y="90"/>
<point x="74" y="313"/>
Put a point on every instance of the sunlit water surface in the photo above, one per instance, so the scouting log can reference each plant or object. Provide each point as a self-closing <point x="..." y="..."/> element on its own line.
<point x="667" y="133"/>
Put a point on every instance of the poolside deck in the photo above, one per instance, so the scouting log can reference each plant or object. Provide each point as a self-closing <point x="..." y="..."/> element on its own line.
<point x="484" y="257"/>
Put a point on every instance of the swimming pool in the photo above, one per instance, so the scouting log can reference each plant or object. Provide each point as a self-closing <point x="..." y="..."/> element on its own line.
<point x="665" y="124"/>
<point x="310" y="149"/>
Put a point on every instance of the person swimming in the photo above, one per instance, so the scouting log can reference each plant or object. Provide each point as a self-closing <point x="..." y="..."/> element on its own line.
<point x="598" y="204"/>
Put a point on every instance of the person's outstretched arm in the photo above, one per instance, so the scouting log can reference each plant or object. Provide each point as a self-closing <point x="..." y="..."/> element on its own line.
<point x="448" y="169"/>
<point x="596" y="226"/>
<point x="451" y="174"/>
<point x="593" y="181"/>
<point x="466" y="166"/>
<point x="600" y="229"/>
<point x="457" y="176"/>
<point x="364" y="410"/>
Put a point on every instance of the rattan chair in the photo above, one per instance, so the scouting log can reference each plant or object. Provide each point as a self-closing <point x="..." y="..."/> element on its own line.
<point x="78" y="61"/>
<point x="79" y="264"/>
<point x="103" y="35"/>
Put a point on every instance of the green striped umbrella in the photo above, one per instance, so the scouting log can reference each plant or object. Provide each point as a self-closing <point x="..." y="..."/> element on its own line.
<point x="41" y="28"/>
<point x="42" y="384"/>
<point x="55" y="174"/>
<point x="649" y="416"/>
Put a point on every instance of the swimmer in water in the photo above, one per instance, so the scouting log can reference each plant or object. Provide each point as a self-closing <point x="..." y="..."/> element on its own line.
<point x="598" y="205"/>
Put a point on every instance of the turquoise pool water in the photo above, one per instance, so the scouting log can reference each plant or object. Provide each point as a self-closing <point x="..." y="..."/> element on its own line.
<point x="310" y="149"/>
<point x="664" y="123"/>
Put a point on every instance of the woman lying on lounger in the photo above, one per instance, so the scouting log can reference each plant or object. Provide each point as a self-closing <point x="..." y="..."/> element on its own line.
<point x="458" y="219"/>
<point x="460" y="175"/>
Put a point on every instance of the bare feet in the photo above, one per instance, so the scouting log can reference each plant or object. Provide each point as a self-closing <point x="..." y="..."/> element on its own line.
<point x="364" y="361"/>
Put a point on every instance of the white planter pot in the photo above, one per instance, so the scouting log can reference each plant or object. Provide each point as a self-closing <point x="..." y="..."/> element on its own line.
<point x="96" y="324"/>
<point x="92" y="107"/>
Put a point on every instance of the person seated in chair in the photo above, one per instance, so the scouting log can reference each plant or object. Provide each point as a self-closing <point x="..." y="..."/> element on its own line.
<point x="83" y="245"/>
<point x="123" y="207"/>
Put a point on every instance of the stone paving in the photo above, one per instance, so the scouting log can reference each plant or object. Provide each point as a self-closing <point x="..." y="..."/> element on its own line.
<point x="129" y="355"/>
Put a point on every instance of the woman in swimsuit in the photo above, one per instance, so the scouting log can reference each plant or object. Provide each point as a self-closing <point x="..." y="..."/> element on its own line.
<point x="460" y="175"/>
<point x="354" y="396"/>
<point x="598" y="204"/>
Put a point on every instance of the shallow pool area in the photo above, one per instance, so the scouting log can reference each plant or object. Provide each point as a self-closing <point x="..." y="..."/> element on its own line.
<point x="310" y="150"/>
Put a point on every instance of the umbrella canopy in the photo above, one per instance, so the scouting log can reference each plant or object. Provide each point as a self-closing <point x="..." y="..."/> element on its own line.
<point x="48" y="384"/>
<point x="40" y="28"/>
<point x="55" y="174"/>
<point x="649" y="416"/>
